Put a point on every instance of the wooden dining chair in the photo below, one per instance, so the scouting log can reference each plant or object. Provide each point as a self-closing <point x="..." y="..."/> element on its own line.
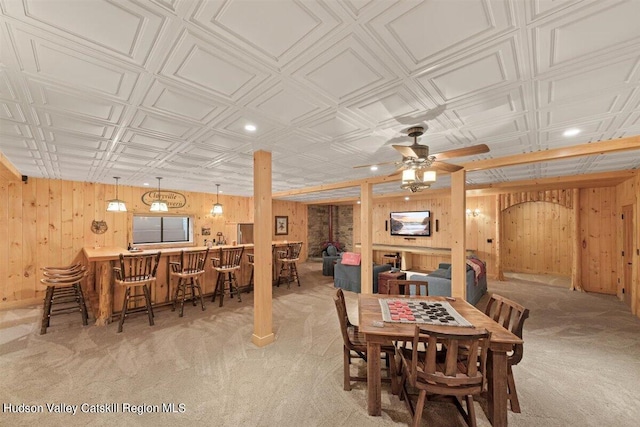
<point x="354" y="347"/>
<point x="403" y="287"/>
<point x="134" y="272"/>
<point x="433" y="372"/>
<point x="189" y="271"/>
<point x="227" y="262"/>
<point x="511" y="316"/>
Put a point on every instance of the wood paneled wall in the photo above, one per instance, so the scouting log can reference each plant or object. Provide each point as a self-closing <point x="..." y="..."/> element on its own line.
<point x="537" y="238"/>
<point x="480" y="229"/>
<point x="48" y="222"/>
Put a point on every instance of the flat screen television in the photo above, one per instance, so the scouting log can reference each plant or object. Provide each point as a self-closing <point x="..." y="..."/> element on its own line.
<point x="415" y="223"/>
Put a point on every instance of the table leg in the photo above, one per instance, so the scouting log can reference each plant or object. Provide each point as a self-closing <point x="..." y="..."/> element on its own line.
<point x="497" y="388"/>
<point x="374" y="382"/>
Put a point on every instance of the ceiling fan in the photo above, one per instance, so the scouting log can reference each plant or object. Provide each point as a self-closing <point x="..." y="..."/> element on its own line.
<point x="416" y="156"/>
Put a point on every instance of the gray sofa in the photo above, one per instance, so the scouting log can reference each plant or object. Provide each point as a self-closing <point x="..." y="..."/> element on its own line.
<point x="348" y="277"/>
<point x="440" y="282"/>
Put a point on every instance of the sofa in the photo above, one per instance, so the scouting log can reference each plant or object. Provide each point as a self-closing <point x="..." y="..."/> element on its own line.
<point x="348" y="277"/>
<point x="440" y="282"/>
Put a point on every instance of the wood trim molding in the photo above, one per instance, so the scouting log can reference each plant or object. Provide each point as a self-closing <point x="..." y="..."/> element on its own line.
<point x="561" y="197"/>
<point x="8" y="172"/>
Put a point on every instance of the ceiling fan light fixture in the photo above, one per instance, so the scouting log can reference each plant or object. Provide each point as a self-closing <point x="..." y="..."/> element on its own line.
<point x="116" y="205"/>
<point x="159" y="205"/>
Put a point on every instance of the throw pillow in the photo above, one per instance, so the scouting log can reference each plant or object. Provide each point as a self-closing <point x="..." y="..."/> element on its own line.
<point x="351" y="258"/>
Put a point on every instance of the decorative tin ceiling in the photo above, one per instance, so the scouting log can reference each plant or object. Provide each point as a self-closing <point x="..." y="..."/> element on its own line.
<point x="94" y="89"/>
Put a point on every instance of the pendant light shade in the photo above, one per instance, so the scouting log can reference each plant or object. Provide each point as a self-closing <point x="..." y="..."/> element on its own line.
<point x="159" y="205"/>
<point x="217" y="207"/>
<point x="116" y="205"/>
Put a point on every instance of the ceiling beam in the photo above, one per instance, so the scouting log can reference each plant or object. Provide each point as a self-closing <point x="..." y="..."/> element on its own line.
<point x="8" y="172"/>
<point x="594" y="180"/>
<point x="602" y="147"/>
<point x="337" y="185"/>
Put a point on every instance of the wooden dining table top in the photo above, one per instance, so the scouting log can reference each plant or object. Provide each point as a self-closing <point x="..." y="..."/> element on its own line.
<point x="369" y="311"/>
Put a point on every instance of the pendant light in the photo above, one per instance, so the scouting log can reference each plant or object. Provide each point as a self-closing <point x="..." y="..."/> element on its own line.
<point x="159" y="205"/>
<point x="217" y="208"/>
<point x="116" y="205"/>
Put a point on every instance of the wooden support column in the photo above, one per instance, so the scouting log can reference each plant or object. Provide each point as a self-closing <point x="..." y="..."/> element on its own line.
<point x="105" y="308"/>
<point x="366" y="232"/>
<point x="576" y="264"/>
<point x="263" y="261"/>
<point x="458" y="235"/>
<point x="499" y="271"/>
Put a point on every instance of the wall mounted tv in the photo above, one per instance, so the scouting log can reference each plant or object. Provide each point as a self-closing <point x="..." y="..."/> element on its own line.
<point x="416" y="223"/>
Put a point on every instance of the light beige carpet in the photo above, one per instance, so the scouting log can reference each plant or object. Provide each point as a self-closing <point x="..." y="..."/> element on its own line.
<point x="581" y="365"/>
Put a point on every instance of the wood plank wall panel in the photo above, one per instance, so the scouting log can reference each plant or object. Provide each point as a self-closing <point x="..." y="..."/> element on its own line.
<point x="48" y="222"/>
<point x="598" y="239"/>
<point x="479" y="229"/>
<point x="537" y="238"/>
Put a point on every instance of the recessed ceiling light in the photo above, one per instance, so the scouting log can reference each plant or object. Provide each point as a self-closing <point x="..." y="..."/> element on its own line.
<point x="359" y="202"/>
<point x="146" y="184"/>
<point x="406" y="197"/>
<point x="571" y="132"/>
<point x="250" y="128"/>
<point x="374" y="168"/>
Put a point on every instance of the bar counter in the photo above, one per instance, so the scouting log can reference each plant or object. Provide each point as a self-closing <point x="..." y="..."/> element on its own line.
<point x="103" y="295"/>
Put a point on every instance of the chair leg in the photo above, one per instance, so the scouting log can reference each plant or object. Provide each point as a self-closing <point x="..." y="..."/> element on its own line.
<point x="175" y="295"/>
<point x="199" y="288"/>
<point x="471" y="411"/>
<point x="512" y="394"/>
<point x="219" y="289"/>
<point x="250" y="286"/>
<point x="125" y="304"/>
<point x="183" y="288"/>
<point x="417" y="413"/>
<point x="147" y="300"/>
<point x="83" y="305"/>
<point x="391" y="370"/>
<point x="347" y="369"/>
<point x="294" y="269"/>
<point x="235" y="280"/>
<point x="46" y="312"/>
<point x="193" y="291"/>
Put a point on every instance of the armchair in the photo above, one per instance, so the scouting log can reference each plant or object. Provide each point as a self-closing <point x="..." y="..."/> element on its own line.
<point x="329" y="256"/>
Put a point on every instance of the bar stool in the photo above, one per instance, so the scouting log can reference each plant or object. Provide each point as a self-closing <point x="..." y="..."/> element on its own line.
<point x="136" y="271"/>
<point x="188" y="271"/>
<point x="226" y="264"/>
<point x="288" y="268"/>
<point x="251" y="263"/>
<point x="63" y="289"/>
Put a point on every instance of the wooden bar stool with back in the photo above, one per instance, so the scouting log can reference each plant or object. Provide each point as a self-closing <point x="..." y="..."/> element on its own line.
<point x="136" y="271"/>
<point x="189" y="271"/>
<point x="227" y="263"/>
<point x="288" y="268"/>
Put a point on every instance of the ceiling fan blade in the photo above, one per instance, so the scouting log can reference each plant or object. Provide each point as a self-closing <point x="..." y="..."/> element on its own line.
<point x="461" y="152"/>
<point x="448" y="167"/>
<point x="373" y="164"/>
<point x="415" y="150"/>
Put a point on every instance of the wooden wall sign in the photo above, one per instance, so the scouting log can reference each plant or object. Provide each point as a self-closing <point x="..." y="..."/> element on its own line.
<point x="174" y="199"/>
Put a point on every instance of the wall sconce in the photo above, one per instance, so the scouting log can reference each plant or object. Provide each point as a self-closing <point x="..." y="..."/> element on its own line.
<point x="474" y="212"/>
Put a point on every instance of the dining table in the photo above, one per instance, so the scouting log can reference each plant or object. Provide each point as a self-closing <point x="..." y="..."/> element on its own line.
<point x="378" y="333"/>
